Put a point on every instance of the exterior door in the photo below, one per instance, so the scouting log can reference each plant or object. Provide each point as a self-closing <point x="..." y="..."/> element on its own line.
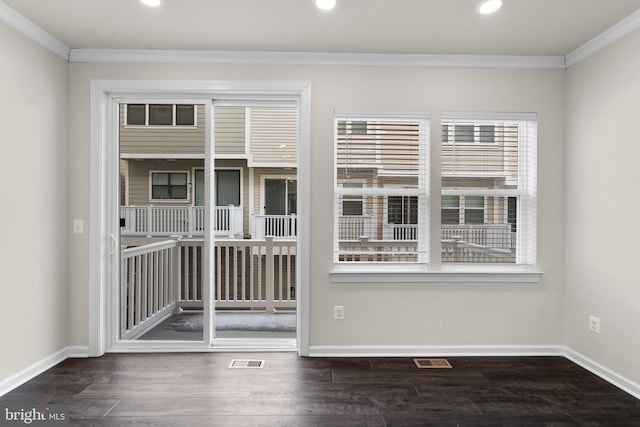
<point x="280" y="196"/>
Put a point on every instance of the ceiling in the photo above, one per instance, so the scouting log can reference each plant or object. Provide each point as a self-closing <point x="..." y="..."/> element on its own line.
<point x="452" y="27"/>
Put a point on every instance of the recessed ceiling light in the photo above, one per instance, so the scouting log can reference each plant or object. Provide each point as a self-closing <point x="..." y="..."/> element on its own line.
<point x="325" y="4"/>
<point x="152" y="3"/>
<point x="489" y="6"/>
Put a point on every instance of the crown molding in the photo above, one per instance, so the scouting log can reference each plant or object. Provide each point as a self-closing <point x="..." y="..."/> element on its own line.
<point x="34" y="32"/>
<point x="619" y="30"/>
<point x="314" y="58"/>
<point x="37" y="34"/>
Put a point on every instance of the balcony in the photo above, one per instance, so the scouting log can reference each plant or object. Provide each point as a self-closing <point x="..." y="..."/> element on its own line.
<point x="188" y="221"/>
<point x="162" y="278"/>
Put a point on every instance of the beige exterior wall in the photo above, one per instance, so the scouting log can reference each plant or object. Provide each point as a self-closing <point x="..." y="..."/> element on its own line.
<point x="162" y="139"/>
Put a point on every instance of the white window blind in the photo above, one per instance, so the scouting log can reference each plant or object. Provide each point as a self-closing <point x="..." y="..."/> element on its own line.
<point x="489" y="188"/>
<point x="381" y="193"/>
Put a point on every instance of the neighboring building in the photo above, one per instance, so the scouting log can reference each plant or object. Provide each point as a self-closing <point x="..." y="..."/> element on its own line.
<point x="162" y="152"/>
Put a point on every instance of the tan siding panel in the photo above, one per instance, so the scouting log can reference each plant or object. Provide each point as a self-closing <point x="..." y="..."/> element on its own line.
<point x="163" y="140"/>
<point x="274" y="135"/>
<point x="229" y="130"/>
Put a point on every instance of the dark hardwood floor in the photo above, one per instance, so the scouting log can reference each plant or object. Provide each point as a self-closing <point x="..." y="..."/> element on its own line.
<point x="199" y="389"/>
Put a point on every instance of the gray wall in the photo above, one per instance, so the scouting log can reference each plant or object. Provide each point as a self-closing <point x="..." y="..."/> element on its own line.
<point x="602" y="206"/>
<point x="33" y="149"/>
<point x="382" y="314"/>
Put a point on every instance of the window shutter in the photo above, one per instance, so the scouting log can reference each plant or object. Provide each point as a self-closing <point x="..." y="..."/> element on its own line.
<point x="380" y="204"/>
<point x="488" y="182"/>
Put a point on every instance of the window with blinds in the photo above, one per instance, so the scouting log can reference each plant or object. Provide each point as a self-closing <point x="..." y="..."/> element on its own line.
<point x="488" y="188"/>
<point x="381" y="193"/>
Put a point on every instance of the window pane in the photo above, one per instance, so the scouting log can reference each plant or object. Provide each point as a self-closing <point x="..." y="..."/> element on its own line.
<point x="451" y="216"/>
<point x="160" y="114"/>
<point x="136" y="114"/>
<point x="160" y="179"/>
<point x="179" y="192"/>
<point x="474" y="216"/>
<point x="381" y="178"/>
<point x="487" y="134"/>
<point x="185" y="115"/>
<point x="402" y="210"/>
<point x="495" y="228"/>
<point x="450" y="201"/>
<point x="178" y="179"/>
<point x="292" y="196"/>
<point x="464" y="134"/>
<point x="351" y="207"/>
<point x="369" y="238"/>
<point x="160" y="192"/>
<point x="474" y="202"/>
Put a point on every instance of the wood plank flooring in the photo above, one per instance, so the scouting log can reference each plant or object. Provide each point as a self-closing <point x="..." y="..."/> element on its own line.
<point x="199" y="389"/>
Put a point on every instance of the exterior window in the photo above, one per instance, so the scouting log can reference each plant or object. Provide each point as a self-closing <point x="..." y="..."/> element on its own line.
<point x="468" y="133"/>
<point x="185" y="115"/>
<point x="474" y="210"/>
<point x="380" y="191"/>
<point x="136" y="114"/>
<point x="352" y="205"/>
<point x="169" y="186"/>
<point x="357" y="127"/>
<point x="160" y="115"/>
<point x="488" y="188"/>
<point x="402" y="210"/>
<point x="451" y="209"/>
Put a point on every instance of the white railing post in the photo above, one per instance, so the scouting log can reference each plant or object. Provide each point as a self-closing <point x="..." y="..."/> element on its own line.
<point x="191" y="219"/>
<point x="175" y="284"/>
<point x="231" y="221"/>
<point x="269" y="273"/>
<point x="149" y="220"/>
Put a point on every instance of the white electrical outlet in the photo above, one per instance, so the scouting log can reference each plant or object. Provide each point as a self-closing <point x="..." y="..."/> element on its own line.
<point x="338" y="312"/>
<point x="594" y="324"/>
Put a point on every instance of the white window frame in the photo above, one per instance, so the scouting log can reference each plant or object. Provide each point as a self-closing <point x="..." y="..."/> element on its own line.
<point x="435" y="271"/>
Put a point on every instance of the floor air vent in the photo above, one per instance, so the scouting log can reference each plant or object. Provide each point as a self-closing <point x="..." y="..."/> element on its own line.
<point x="432" y="363"/>
<point x="246" y="364"/>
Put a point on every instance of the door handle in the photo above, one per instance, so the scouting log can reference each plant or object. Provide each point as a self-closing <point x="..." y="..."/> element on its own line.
<point x="114" y="244"/>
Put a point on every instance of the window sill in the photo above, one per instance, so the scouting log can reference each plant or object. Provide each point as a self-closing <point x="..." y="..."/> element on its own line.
<point x="422" y="276"/>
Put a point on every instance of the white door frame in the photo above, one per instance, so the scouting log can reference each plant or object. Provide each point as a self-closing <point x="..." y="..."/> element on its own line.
<point x="104" y="224"/>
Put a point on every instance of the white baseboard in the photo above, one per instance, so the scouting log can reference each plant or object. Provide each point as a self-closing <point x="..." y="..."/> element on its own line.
<point x="39" y="367"/>
<point x="434" y="350"/>
<point x="603" y="372"/>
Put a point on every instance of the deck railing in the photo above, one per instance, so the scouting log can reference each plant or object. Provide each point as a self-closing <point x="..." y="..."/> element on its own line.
<point x="147" y="294"/>
<point x="162" y="277"/>
<point x="278" y="226"/>
<point x="185" y="221"/>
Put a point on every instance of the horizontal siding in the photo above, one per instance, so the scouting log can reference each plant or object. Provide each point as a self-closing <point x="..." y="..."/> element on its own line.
<point x="274" y="135"/>
<point x="230" y="130"/>
<point x="163" y="140"/>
